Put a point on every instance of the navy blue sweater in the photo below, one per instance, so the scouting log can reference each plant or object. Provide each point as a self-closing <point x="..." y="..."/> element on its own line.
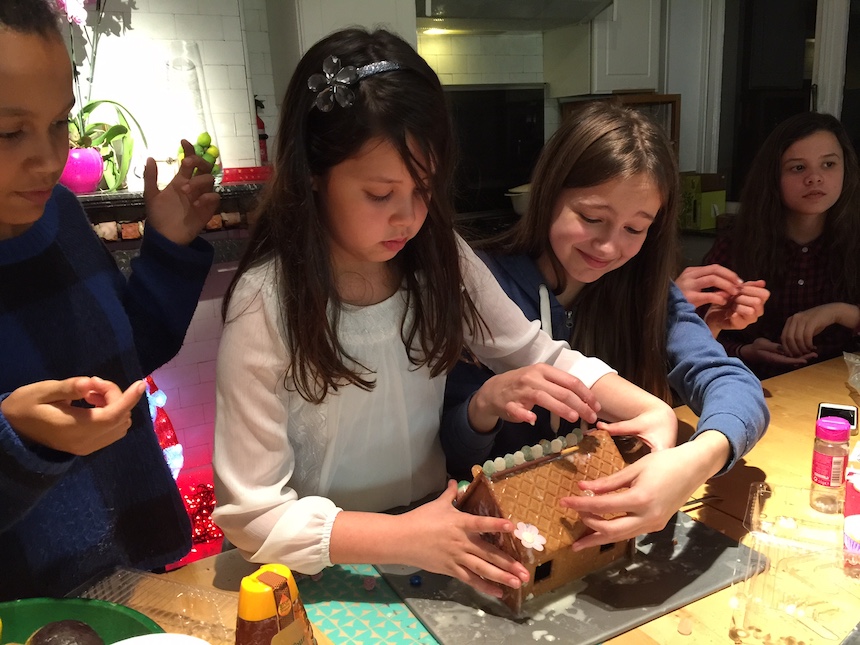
<point x="66" y="310"/>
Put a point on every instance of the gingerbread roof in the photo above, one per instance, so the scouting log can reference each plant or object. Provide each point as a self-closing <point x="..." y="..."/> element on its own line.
<point x="530" y="492"/>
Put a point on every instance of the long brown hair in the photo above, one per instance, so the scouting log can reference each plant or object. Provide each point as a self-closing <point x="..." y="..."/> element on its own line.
<point x="621" y="317"/>
<point x="400" y="105"/>
<point x="760" y="230"/>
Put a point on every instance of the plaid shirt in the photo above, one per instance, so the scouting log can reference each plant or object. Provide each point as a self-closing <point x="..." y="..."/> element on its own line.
<point x="805" y="285"/>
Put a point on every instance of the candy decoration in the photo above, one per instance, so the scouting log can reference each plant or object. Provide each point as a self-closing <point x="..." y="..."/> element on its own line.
<point x="369" y="583"/>
<point x="556" y="445"/>
<point x="200" y="504"/>
<point x="489" y="468"/>
<point x="529" y="536"/>
<point x="415" y="580"/>
<point x="499" y="463"/>
<point x="167" y="438"/>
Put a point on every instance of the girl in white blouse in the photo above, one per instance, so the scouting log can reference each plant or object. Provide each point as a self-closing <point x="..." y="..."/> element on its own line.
<point x="353" y="301"/>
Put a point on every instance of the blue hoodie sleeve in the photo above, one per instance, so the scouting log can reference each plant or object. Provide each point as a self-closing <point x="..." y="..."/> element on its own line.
<point x="720" y="389"/>
<point x="463" y="446"/>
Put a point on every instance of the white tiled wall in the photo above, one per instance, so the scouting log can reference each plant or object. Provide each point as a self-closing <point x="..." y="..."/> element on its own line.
<point x="471" y="59"/>
<point x="256" y="24"/>
<point x="189" y="379"/>
<point x="508" y="58"/>
<point x="131" y="68"/>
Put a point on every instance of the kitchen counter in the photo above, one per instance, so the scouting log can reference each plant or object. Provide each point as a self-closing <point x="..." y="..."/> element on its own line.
<point x="128" y="206"/>
<point x="125" y="207"/>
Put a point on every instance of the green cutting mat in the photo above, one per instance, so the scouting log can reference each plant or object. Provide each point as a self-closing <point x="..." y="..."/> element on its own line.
<point x="340" y="606"/>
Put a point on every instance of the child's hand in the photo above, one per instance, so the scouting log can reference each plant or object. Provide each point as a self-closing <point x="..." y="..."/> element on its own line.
<point x="762" y="350"/>
<point x="658" y="484"/>
<point x="712" y="284"/>
<point x="802" y="327"/>
<point x="43" y="413"/>
<point x="512" y="395"/>
<point x="451" y="544"/>
<point x="739" y="311"/>
<point x="181" y="210"/>
<point x="657" y="426"/>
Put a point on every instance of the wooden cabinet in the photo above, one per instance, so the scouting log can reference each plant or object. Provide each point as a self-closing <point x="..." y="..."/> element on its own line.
<point x="618" y="50"/>
<point x="665" y="109"/>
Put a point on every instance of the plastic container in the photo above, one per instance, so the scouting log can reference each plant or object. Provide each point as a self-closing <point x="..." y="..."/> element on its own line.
<point x="792" y="585"/>
<point x="851" y="522"/>
<point x="829" y="461"/>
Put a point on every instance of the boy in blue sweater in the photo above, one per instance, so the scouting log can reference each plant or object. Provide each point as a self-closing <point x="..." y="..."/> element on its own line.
<point x="84" y="487"/>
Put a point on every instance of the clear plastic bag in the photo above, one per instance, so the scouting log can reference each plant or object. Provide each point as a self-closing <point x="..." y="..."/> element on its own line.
<point x="853" y="363"/>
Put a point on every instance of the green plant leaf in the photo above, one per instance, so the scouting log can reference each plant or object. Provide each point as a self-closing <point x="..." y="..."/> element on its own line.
<point x="114" y="141"/>
<point x="111" y="173"/>
<point x="109" y="135"/>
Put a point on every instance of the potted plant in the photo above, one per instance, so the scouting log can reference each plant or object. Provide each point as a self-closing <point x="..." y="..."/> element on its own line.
<point x="100" y="136"/>
<point x="111" y="141"/>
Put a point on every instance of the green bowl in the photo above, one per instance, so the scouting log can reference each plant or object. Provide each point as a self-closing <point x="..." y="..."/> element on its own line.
<point x="112" y="622"/>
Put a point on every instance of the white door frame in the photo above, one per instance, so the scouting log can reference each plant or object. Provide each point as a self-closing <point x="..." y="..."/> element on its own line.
<point x="828" y="65"/>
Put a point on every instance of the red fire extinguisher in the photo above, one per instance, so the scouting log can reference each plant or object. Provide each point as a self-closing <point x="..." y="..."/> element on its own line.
<point x="261" y="132"/>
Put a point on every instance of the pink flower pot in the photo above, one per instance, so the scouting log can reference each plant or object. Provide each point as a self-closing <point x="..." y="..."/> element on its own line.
<point x="83" y="170"/>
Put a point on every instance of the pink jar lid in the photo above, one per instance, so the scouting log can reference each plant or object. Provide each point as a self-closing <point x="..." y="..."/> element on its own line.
<point x="832" y="429"/>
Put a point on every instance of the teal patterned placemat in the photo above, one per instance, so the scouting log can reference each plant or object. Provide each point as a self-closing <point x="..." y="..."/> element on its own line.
<point x="341" y="606"/>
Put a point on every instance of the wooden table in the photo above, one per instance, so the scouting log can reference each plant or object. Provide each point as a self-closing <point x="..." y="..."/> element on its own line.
<point x="782" y="457"/>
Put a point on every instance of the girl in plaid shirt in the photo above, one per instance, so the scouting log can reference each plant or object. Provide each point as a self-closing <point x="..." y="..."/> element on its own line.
<point x="798" y="231"/>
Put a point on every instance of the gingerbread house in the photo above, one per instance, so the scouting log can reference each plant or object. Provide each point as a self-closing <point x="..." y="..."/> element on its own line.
<point x="527" y="492"/>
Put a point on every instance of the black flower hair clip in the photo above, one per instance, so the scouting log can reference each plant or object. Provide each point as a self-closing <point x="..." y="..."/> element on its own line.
<point x="334" y="83"/>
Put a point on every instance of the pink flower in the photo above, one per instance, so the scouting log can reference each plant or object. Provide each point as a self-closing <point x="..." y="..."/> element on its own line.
<point x="75" y="10"/>
<point x="529" y="536"/>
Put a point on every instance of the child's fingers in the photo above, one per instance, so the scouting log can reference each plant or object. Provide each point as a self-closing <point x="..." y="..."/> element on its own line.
<point x="513" y="572"/>
<point x="634" y="428"/>
<point x="479" y="565"/>
<point x="516" y="413"/>
<point x="150" y="179"/>
<point x="128" y="399"/>
<point x="450" y="493"/>
<point x="477" y="582"/>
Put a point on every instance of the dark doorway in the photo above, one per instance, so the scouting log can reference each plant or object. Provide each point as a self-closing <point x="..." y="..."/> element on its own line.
<point x="773" y="75"/>
<point x="851" y="96"/>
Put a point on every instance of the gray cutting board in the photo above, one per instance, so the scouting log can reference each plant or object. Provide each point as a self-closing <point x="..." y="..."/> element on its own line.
<point x="671" y="568"/>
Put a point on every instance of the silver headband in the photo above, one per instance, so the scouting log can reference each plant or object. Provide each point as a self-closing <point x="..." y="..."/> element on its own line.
<point x="333" y="84"/>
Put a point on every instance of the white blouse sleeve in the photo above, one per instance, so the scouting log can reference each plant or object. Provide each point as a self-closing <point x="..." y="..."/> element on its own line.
<point x="253" y="459"/>
<point x="513" y="340"/>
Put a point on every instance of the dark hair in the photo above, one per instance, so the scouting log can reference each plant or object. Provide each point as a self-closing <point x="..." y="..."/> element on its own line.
<point x="40" y="17"/>
<point x="621" y="317"/>
<point x="760" y="229"/>
<point x="405" y="107"/>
